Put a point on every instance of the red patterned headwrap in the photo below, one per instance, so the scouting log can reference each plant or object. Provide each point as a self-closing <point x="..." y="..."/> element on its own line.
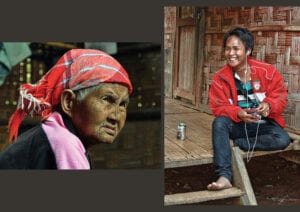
<point x="76" y="69"/>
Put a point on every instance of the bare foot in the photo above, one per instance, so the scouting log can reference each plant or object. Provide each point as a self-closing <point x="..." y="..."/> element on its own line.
<point x="221" y="183"/>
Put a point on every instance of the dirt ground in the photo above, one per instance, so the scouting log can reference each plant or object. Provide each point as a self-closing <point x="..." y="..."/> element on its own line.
<point x="274" y="178"/>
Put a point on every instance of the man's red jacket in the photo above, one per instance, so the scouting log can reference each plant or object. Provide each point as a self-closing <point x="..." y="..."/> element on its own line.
<point x="267" y="83"/>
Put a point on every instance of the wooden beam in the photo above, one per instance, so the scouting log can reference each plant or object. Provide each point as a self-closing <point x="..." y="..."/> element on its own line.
<point x="241" y="178"/>
<point x="62" y="45"/>
<point x="294" y="136"/>
<point x="201" y="196"/>
<point x="286" y="28"/>
<point x="188" y="162"/>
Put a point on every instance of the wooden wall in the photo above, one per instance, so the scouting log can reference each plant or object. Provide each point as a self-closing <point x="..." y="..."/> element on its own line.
<point x="169" y="48"/>
<point x="277" y="41"/>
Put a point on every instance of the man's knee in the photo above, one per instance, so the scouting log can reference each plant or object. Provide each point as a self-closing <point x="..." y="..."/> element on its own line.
<point x="221" y="121"/>
<point x="284" y="140"/>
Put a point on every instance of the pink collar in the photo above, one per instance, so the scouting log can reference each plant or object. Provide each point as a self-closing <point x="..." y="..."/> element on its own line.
<point x="68" y="149"/>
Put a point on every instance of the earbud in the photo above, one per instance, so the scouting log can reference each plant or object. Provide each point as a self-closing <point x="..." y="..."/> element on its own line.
<point x="248" y="52"/>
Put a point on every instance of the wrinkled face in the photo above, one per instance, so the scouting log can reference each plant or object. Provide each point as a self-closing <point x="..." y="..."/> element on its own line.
<point x="235" y="53"/>
<point x="101" y="115"/>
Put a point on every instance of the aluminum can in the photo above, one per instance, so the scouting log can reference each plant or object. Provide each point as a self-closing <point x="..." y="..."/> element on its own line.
<point x="181" y="130"/>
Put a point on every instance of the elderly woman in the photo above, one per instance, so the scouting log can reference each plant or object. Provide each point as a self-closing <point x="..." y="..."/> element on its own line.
<point x="82" y="101"/>
<point x="248" y="98"/>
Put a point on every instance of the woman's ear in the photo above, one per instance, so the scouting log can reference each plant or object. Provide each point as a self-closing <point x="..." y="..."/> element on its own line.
<point x="67" y="101"/>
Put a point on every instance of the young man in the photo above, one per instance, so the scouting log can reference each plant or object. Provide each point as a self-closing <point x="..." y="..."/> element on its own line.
<point x="248" y="98"/>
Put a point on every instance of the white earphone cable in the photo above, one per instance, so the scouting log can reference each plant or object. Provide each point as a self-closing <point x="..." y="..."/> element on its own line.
<point x="249" y="152"/>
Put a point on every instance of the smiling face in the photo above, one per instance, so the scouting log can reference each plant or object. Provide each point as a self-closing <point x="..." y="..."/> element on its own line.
<point x="101" y="115"/>
<point x="235" y="53"/>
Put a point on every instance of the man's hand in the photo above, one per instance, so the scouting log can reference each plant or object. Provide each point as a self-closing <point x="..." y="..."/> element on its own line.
<point x="264" y="109"/>
<point x="246" y="115"/>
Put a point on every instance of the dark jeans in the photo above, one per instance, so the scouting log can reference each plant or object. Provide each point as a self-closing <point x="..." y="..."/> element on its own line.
<point x="271" y="136"/>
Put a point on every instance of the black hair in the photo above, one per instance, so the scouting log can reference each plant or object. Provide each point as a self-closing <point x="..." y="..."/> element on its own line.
<point x="244" y="34"/>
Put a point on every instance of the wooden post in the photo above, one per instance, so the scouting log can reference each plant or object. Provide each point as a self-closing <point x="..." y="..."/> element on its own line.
<point x="241" y="179"/>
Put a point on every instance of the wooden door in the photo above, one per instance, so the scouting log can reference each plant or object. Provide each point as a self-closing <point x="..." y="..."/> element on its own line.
<point x="187" y="42"/>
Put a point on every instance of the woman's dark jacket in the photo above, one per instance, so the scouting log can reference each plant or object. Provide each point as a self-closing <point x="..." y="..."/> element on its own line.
<point x="31" y="150"/>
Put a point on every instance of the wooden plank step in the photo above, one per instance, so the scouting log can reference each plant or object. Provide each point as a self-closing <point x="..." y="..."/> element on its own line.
<point x="241" y="178"/>
<point x="201" y="196"/>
